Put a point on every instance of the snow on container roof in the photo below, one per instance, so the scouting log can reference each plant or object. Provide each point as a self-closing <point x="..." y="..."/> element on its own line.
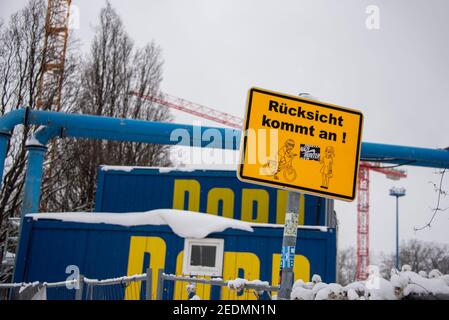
<point x="191" y="168"/>
<point x="274" y="225"/>
<point x="186" y="224"/>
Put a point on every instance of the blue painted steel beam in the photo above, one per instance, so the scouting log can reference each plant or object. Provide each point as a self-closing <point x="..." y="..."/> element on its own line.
<point x="99" y="127"/>
<point x="403" y="155"/>
<point x="36" y="149"/>
<point x="7" y="123"/>
<point x="82" y="126"/>
<point x="78" y="125"/>
<point x="33" y="179"/>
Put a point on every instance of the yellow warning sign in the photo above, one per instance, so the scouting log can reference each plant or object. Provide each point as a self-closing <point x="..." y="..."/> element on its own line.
<point x="301" y="144"/>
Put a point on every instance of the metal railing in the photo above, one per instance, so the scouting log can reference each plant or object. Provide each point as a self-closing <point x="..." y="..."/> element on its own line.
<point x="136" y="287"/>
<point x="248" y="289"/>
<point x="123" y="288"/>
<point x="83" y="288"/>
<point x="8" y="290"/>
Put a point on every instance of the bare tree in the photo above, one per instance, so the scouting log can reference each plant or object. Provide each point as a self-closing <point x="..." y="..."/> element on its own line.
<point x="346" y="265"/>
<point x="440" y="192"/>
<point x="21" y="46"/>
<point x="20" y="57"/>
<point x="112" y="69"/>
<point x="420" y="255"/>
<point x="98" y="84"/>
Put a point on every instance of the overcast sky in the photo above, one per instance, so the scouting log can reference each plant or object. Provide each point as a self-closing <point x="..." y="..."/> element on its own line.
<point x="214" y="51"/>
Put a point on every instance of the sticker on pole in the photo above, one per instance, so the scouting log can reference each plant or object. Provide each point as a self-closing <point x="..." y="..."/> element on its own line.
<point x="301" y="144"/>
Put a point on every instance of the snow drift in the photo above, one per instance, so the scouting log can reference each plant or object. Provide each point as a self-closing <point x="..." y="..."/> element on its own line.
<point x="186" y="224"/>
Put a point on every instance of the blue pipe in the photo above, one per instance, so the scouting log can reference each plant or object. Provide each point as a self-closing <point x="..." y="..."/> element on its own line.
<point x="99" y="127"/>
<point x="9" y="120"/>
<point x="7" y="123"/>
<point x="4" y="141"/>
<point x="413" y="156"/>
<point x="77" y="125"/>
<point x="43" y="135"/>
<point x="36" y="148"/>
<point x="33" y="179"/>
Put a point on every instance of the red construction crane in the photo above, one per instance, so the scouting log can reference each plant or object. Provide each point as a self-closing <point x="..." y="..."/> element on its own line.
<point x="362" y="185"/>
<point x="363" y="212"/>
<point x="201" y="111"/>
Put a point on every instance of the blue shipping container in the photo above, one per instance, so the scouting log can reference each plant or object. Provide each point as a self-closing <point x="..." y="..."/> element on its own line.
<point x="100" y="251"/>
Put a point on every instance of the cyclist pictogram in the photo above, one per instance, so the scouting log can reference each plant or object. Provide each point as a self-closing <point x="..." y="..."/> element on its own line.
<point x="283" y="162"/>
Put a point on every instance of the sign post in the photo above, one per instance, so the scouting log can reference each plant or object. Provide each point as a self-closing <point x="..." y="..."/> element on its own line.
<point x="289" y="245"/>
<point x="301" y="145"/>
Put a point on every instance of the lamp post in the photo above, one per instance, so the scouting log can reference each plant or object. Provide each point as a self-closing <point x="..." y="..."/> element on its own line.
<point x="397" y="192"/>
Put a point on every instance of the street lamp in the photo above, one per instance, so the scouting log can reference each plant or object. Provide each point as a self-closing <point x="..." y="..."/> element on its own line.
<point x="397" y="192"/>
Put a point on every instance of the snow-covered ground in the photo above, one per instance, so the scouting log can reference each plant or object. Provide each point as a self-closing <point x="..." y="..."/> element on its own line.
<point x="402" y="284"/>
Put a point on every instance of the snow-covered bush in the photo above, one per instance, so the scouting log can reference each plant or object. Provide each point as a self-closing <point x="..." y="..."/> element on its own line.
<point x="404" y="284"/>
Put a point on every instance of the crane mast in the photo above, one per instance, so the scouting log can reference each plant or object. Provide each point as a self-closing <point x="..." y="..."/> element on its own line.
<point x="363" y="206"/>
<point x="55" y="47"/>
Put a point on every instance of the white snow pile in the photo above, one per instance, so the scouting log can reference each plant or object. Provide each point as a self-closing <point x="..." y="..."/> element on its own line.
<point x="120" y="168"/>
<point x="179" y="169"/>
<point x="9" y="257"/>
<point x="32" y="141"/>
<point x="160" y="169"/>
<point x="27" y="285"/>
<point x="407" y="282"/>
<point x="191" y="288"/>
<point x="113" y="280"/>
<point x="237" y="284"/>
<point x="186" y="224"/>
<point x="403" y="284"/>
<point x="316" y="290"/>
<point x="258" y="282"/>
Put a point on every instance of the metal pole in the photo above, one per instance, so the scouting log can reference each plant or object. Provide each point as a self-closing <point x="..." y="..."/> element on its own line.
<point x="33" y="180"/>
<point x="90" y="290"/>
<point x="397" y="232"/>
<point x="4" y="141"/>
<point x="160" y="284"/>
<point x="149" y="284"/>
<point x="289" y="245"/>
<point x="80" y="287"/>
<point x="397" y="192"/>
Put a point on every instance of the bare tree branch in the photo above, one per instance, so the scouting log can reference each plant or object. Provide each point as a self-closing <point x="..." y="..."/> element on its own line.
<point x="440" y="192"/>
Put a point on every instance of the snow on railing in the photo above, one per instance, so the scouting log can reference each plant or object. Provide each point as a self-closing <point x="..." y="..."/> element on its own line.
<point x="258" y="286"/>
<point x="77" y="284"/>
<point x="404" y="284"/>
<point x="119" y="280"/>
